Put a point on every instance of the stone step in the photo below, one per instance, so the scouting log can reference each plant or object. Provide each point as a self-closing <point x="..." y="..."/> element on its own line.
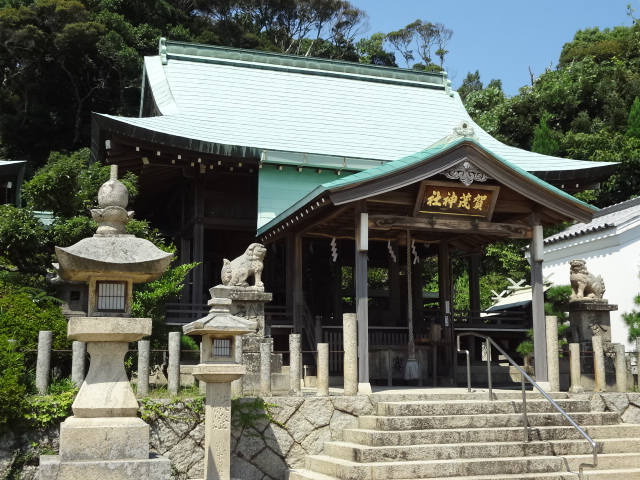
<point x="465" y="451"/>
<point x="377" y="438"/>
<point x="464" y="407"/>
<point x="371" y="422"/>
<point x="613" y="474"/>
<point x="347" y="470"/>
<point x="476" y="394"/>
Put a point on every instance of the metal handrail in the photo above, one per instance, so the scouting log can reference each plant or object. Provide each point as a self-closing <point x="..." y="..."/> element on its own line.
<point x="524" y="375"/>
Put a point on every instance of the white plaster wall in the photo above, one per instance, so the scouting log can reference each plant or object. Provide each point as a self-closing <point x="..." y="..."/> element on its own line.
<point x="613" y="254"/>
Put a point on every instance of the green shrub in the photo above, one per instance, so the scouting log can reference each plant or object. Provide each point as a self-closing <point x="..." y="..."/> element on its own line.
<point x="46" y="410"/>
<point x="12" y="390"/>
<point x="25" y="311"/>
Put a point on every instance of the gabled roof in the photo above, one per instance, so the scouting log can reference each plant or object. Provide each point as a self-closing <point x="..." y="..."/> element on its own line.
<point x="553" y="203"/>
<point x="611" y="217"/>
<point x="312" y="112"/>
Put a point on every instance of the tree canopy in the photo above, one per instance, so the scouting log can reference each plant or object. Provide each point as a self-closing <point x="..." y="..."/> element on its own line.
<point x="62" y="59"/>
<point x="583" y="109"/>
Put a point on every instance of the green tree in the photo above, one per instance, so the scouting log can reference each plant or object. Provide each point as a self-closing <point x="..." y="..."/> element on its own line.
<point x="633" y="122"/>
<point x="632" y="320"/>
<point x="401" y="41"/>
<point x="471" y="83"/>
<point x="371" y="50"/>
<point x="543" y="138"/>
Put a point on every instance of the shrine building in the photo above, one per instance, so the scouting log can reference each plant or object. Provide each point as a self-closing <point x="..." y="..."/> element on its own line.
<point x="363" y="182"/>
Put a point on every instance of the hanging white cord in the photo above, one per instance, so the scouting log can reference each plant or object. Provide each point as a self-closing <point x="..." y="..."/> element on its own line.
<point x="412" y="370"/>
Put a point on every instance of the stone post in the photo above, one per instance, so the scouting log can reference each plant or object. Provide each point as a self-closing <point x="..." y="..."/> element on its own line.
<point x="43" y="364"/>
<point x="218" y="367"/>
<point x="621" y="368"/>
<point x="295" y="364"/>
<point x="600" y="384"/>
<point x="553" y="362"/>
<point x="265" y="368"/>
<point x="174" y="363"/>
<point x="144" y="355"/>
<point x="236" y="385"/>
<point x="78" y="357"/>
<point x="323" y="370"/>
<point x="350" y="341"/>
<point x="574" y="368"/>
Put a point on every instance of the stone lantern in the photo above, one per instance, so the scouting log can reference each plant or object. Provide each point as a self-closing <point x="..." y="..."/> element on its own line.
<point x="104" y="439"/>
<point x="218" y="367"/>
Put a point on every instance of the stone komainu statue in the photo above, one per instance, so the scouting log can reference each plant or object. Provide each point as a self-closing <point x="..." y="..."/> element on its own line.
<point x="584" y="284"/>
<point x="235" y="273"/>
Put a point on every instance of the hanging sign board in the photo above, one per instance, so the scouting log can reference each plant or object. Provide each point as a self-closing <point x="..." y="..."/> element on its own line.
<point x="448" y="198"/>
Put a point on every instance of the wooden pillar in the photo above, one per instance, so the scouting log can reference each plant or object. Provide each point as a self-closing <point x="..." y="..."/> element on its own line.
<point x="446" y="307"/>
<point x="185" y="257"/>
<point x="474" y="282"/>
<point x="537" y="304"/>
<point x="294" y="280"/>
<point x="337" y="290"/>
<point x="395" y="292"/>
<point x="198" y="243"/>
<point x="362" y="301"/>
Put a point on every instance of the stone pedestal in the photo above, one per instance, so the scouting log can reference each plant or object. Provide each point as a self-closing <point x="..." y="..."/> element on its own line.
<point x="104" y="439"/>
<point x="248" y="303"/>
<point x="590" y="318"/>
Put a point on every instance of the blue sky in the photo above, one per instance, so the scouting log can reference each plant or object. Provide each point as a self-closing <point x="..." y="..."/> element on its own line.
<point x="500" y="38"/>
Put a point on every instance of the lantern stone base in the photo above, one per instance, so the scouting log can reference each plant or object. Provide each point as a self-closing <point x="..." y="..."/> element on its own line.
<point x="104" y="449"/>
<point x="152" y="468"/>
<point x="104" y="438"/>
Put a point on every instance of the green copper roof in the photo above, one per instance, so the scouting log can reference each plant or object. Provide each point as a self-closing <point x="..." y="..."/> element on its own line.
<point x="289" y="110"/>
<point x="390" y="168"/>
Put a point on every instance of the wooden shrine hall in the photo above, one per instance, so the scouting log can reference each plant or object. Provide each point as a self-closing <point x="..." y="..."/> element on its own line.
<point x="361" y="181"/>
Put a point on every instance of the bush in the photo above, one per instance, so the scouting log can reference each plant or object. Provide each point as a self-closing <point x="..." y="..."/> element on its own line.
<point x="12" y="391"/>
<point x="25" y="311"/>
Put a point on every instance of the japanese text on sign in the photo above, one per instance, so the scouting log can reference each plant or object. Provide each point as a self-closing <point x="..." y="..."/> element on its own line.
<point x="454" y="200"/>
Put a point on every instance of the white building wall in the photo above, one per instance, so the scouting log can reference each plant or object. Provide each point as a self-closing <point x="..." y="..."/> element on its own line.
<point x="615" y="255"/>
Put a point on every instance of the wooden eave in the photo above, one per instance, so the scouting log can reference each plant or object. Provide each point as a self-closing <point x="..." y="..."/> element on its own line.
<point x="390" y="202"/>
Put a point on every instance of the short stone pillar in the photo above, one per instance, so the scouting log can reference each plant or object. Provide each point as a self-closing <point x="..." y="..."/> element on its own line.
<point x="78" y="358"/>
<point x="174" y="363"/>
<point x="323" y="370"/>
<point x="43" y="362"/>
<point x="295" y="364"/>
<point x="350" y="342"/>
<point x="574" y="368"/>
<point x="144" y="359"/>
<point x="218" y="368"/>
<point x="600" y="381"/>
<point x="265" y="368"/>
<point x="621" y="368"/>
<point x="553" y="362"/>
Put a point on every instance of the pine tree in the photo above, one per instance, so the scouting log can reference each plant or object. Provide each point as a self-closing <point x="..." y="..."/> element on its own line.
<point x="543" y="140"/>
<point x="633" y="123"/>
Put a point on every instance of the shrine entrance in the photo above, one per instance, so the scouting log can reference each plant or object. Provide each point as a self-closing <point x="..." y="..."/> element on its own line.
<point x="380" y="244"/>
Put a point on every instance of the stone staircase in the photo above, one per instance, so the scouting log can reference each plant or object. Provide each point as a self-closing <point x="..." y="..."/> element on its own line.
<point x="466" y="437"/>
